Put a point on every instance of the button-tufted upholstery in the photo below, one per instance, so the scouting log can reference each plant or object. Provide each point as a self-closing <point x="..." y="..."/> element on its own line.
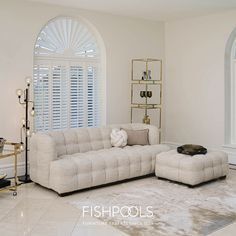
<point x="74" y="159"/>
<point x="81" y="140"/>
<point x="191" y="170"/>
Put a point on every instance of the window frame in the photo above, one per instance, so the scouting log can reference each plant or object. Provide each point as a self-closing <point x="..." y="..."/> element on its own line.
<point x="85" y="62"/>
<point x="230" y="93"/>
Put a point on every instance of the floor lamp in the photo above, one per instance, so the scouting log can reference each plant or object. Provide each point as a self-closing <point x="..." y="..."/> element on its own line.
<point x="24" y="100"/>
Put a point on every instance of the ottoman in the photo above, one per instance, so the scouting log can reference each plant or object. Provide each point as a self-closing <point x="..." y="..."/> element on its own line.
<point x="191" y="170"/>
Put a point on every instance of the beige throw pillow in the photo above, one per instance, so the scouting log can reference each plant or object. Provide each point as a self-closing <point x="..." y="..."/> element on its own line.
<point x="137" y="137"/>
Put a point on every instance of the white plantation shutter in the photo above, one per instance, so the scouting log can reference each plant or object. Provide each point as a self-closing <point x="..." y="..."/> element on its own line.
<point x="59" y="98"/>
<point x="41" y="95"/>
<point x="67" y="83"/>
<point x="76" y="97"/>
<point x="65" y="36"/>
<point x="93" y="101"/>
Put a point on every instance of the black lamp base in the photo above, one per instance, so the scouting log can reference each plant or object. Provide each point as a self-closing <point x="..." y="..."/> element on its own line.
<point x="24" y="179"/>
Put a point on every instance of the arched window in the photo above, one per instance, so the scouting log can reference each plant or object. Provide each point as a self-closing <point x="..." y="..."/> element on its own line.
<point x="67" y="76"/>
<point x="230" y="90"/>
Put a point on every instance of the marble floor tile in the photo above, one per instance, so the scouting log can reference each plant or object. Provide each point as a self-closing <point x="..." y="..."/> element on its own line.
<point x="60" y="211"/>
<point x="32" y="190"/>
<point x="13" y="229"/>
<point x="23" y="216"/>
<point x="3" y="212"/>
<point x="53" y="228"/>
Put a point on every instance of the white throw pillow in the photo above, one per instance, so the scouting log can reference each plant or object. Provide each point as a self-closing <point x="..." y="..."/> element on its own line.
<point x="118" y="138"/>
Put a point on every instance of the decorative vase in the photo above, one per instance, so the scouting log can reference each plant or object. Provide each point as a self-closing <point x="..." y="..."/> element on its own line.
<point x="146" y="120"/>
<point x="149" y="94"/>
<point x="142" y="94"/>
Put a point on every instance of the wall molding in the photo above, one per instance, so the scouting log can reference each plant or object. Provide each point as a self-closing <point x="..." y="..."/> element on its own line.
<point x="229" y="150"/>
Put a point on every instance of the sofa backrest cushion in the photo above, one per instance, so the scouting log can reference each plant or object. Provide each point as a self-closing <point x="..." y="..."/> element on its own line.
<point x="75" y="140"/>
<point x="81" y="140"/>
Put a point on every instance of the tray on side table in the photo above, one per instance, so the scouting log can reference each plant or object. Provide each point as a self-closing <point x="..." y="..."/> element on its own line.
<point x="10" y="150"/>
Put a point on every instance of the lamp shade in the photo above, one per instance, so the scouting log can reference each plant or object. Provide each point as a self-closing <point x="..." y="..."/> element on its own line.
<point x="32" y="112"/>
<point x="19" y="92"/>
<point x="28" y="133"/>
<point x="28" y="80"/>
<point x="23" y="121"/>
<point x="21" y="146"/>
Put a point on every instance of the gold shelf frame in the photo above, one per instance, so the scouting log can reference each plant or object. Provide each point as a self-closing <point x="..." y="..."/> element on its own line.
<point x="146" y="106"/>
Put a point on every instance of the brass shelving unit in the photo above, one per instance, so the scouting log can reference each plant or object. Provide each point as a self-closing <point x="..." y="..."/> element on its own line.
<point x="147" y="81"/>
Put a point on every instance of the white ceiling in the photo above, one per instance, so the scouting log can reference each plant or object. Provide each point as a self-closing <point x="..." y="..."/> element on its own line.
<point x="162" y="10"/>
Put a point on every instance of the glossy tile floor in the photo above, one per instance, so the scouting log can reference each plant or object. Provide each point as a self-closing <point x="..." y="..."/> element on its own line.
<point x="38" y="211"/>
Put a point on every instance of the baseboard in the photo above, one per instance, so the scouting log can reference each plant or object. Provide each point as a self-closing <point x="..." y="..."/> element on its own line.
<point x="231" y="155"/>
<point x="9" y="169"/>
<point x="230" y="151"/>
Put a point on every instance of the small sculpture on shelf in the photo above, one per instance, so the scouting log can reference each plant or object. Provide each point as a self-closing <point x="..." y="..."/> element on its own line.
<point x="146" y="119"/>
<point x="146" y="75"/>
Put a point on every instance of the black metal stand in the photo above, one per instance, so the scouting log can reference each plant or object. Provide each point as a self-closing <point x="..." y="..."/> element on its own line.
<point x="26" y="178"/>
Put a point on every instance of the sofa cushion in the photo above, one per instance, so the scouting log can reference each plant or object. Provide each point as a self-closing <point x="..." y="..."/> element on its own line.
<point x="137" y="137"/>
<point x="118" y="138"/>
<point x="81" y="140"/>
<point x="83" y="170"/>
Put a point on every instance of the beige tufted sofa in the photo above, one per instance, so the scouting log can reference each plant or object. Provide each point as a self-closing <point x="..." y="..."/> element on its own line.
<point x="75" y="159"/>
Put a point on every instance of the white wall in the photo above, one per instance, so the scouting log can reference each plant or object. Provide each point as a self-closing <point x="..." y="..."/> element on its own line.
<point x="195" y="79"/>
<point x="125" y="38"/>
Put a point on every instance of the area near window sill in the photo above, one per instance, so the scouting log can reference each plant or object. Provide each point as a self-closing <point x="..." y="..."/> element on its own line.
<point x="230" y="146"/>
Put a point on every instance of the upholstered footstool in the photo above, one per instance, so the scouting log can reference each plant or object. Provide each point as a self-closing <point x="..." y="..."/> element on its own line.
<point x="191" y="170"/>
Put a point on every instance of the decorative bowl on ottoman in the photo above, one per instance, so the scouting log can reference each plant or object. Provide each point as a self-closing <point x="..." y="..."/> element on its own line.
<point x="191" y="170"/>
